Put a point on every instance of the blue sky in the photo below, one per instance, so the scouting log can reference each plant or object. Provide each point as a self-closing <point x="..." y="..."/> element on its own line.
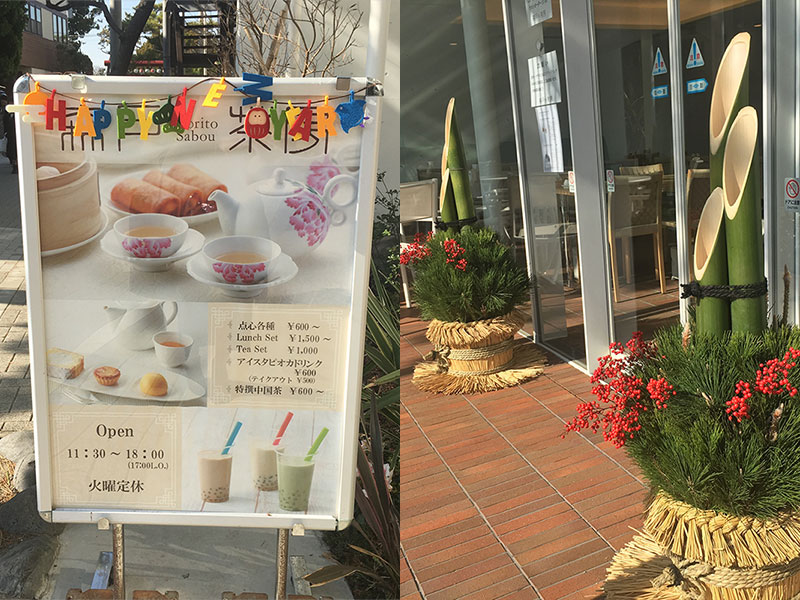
<point x="90" y="44"/>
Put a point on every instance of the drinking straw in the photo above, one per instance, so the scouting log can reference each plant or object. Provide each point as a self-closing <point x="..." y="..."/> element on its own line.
<point x="282" y="430"/>
<point x="315" y="446"/>
<point x="232" y="437"/>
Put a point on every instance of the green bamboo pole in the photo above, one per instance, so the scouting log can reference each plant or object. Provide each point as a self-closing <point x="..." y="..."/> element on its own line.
<point x="455" y="159"/>
<point x="710" y="264"/>
<point x="742" y="193"/>
<point x="447" y="201"/>
<point x="730" y="94"/>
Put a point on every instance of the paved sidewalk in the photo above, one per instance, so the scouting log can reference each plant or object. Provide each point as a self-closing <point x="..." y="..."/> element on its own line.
<point x="494" y="503"/>
<point x="15" y="387"/>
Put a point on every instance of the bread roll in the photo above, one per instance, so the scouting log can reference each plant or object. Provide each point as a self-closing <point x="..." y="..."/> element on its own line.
<point x="193" y="176"/>
<point x="189" y="195"/>
<point x="137" y="196"/>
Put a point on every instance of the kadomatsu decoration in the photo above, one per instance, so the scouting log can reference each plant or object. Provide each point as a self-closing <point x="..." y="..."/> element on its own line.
<point x="468" y="285"/>
<point x="711" y="413"/>
<point x="455" y="203"/>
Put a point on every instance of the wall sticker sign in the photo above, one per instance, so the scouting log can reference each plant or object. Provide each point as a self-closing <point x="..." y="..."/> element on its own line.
<point x="196" y="339"/>
<point x="659" y="66"/>
<point x="696" y="86"/>
<point x="695" y="57"/>
<point x="660" y="91"/>
<point x="545" y="82"/>
<point x="791" y="194"/>
<point x="538" y="11"/>
<point x="610" y="180"/>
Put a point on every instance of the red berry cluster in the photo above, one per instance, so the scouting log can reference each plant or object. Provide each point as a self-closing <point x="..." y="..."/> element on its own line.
<point x="660" y="391"/>
<point x="773" y="378"/>
<point x="739" y="405"/>
<point x="454" y="252"/>
<point x="619" y="394"/>
<point x="413" y="253"/>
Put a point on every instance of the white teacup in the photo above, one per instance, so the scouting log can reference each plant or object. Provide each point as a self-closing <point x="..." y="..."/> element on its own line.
<point x="151" y="235"/>
<point x="172" y="348"/>
<point x="240" y="259"/>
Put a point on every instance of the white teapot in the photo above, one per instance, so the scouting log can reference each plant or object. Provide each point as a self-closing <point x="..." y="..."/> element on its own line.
<point x="138" y="322"/>
<point x="288" y="212"/>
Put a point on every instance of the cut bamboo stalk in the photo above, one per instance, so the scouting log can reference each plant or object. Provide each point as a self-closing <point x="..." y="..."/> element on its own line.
<point x="447" y="201"/>
<point x="744" y="240"/>
<point x="710" y="264"/>
<point x="730" y="94"/>
<point x="455" y="159"/>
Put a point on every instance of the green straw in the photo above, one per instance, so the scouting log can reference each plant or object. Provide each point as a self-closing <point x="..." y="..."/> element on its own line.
<point x="315" y="446"/>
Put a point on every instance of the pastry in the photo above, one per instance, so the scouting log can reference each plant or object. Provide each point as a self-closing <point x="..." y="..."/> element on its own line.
<point x="106" y="375"/>
<point x="63" y="364"/>
<point x="189" y="195"/>
<point x="196" y="178"/>
<point x="137" y="196"/>
<point x="153" y="384"/>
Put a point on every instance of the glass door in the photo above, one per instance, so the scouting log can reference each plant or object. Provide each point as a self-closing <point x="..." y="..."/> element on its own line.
<point x="633" y="74"/>
<point x="549" y="224"/>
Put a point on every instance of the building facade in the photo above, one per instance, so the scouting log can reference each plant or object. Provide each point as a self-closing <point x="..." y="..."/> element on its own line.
<point x="44" y="30"/>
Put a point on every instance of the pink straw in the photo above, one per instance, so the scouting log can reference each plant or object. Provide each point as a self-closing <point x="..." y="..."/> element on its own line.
<point x="282" y="430"/>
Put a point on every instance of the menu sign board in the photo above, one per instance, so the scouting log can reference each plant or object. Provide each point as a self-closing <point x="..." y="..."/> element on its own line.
<point x="196" y="278"/>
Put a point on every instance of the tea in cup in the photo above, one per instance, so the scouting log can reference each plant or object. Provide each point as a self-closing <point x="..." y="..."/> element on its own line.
<point x="240" y="259"/>
<point x="151" y="235"/>
<point x="172" y="348"/>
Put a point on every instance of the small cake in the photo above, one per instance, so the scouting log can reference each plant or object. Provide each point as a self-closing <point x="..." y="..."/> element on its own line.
<point x="106" y="375"/>
<point x="153" y="384"/>
<point x="63" y="364"/>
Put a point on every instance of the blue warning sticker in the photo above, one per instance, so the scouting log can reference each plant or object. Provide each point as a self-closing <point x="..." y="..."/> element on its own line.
<point x="659" y="66"/>
<point x="695" y="57"/>
<point x="695" y="86"/>
<point x="661" y="91"/>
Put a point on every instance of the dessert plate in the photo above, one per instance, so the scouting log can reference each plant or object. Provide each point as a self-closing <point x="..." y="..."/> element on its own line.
<point x="105" y="198"/>
<point x="191" y="245"/>
<point x="179" y="387"/>
<point x="283" y="269"/>
<point x="100" y="232"/>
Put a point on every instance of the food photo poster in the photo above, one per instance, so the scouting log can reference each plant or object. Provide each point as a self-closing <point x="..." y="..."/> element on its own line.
<point x="197" y="256"/>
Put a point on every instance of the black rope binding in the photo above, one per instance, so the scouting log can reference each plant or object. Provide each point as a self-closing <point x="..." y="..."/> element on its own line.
<point x="731" y="292"/>
<point x="455" y="224"/>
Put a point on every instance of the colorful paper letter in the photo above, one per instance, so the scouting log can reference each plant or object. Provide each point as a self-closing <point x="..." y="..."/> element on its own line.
<point x="126" y="119"/>
<point x="102" y="119"/>
<point x="83" y="121"/>
<point x="215" y="93"/>
<point x="182" y="114"/>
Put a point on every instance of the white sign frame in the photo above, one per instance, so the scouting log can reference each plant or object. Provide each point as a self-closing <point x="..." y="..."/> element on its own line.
<point x="355" y="328"/>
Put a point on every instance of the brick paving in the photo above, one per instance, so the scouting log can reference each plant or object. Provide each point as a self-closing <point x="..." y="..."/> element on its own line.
<point x="15" y="386"/>
<point x="494" y="504"/>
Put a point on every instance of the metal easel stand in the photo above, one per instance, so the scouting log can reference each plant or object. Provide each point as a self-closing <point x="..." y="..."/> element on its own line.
<point x="118" y="565"/>
<point x="118" y="556"/>
<point x="282" y="559"/>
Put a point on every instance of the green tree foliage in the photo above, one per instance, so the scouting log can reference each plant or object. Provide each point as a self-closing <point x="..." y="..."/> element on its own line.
<point x="149" y="46"/>
<point x="13" y="17"/>
<point x="489" y="285"/>
<point x="69" y="59"/>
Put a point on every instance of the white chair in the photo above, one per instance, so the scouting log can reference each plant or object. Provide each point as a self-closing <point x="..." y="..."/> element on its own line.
<point x="419" y="203"/>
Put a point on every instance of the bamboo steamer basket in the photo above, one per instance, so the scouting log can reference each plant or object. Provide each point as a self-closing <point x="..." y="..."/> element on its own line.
<point x="69" y="205"/>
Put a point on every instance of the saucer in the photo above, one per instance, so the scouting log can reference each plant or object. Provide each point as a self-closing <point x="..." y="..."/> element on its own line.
<point x="192" y="245"/>
<point x="281" y="270"/>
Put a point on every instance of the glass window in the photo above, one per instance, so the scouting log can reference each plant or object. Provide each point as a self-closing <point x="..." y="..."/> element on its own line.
<point x="34" y="19"/>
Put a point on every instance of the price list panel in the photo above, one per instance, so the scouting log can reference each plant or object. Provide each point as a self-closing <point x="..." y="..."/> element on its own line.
<point x="276" y="356"/>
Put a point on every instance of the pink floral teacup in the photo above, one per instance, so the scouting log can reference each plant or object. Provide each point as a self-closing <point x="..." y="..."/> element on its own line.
<point x="240" y="259"/>
<point x="151" y="235"/>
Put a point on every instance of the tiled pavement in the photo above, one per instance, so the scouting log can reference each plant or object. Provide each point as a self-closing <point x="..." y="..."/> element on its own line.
<point x="494" y="504"/>
<point x="15" y="388"/>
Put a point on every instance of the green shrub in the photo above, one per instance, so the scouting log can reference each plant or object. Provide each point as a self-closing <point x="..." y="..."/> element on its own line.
<point x="465" y="276"/>
<point x="713" y="422"/>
